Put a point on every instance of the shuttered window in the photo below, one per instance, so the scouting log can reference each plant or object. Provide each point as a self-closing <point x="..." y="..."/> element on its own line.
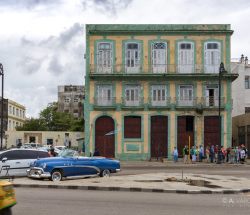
<point x="104" y="57"/>
<point x="185" y="57"/>
<point x="212" y="57"/>
<point x="132" y="127"/>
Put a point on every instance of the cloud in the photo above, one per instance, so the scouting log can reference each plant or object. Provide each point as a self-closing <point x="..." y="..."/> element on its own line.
<point x="111" y="7"/>
<point x="28" y="4"/>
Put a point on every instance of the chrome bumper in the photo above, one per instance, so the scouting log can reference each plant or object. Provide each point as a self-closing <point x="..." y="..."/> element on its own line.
<point x="117" y="170"/>
<point x="37" y="173"/>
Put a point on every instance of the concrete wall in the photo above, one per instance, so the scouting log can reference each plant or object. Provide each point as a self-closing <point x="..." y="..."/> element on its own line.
<point x="41" y="137"/>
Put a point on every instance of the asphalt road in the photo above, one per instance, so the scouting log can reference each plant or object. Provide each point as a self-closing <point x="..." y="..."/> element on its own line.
<point x="66" y="202"/>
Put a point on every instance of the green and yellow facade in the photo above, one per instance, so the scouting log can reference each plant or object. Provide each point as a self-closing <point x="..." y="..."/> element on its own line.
<point x="150" y="88"/>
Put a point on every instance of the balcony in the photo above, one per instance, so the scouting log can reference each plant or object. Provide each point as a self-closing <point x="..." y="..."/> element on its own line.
<point x="104" y="102"/>
<point x="135" y="103"/>
<point x="155" y="69"/>
<point x="213" y="102"/>
<point x="186" y="102"/>
<point x="154" y="103"/>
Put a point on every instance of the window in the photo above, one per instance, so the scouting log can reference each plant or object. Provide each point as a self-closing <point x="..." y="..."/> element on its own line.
<point x="67" y="100"/>
<point x="104" y="95"/>
<point x="17" y="112"/>
<point x="158" y="57"/>
<point x="186" y="95"/>
<point x="241" y="134"/>
<point x="132" y="95"/>
<point x="13" y="110"/>
<point x="212" y="95"/>
<point x="132" y="57"/>
<point x="247" y="109"/>
<point x="104" y="57"/>
<point x="185" y="57"/>
<point x="158" y="94"/>
<point x="49" y="141"/>
<point x="247" y="82"/>
<point x="132" y="127"/>
<point x="76" y="99"/>
<point x="10" y="109"/>
<point x="212" y="57"/>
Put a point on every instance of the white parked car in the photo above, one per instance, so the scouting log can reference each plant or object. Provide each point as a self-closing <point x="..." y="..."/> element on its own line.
<point x="15" y="162"/>
<point x="60" y="147"/>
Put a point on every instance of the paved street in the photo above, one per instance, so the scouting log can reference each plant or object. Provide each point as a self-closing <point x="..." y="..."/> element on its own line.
<point x="64" y="202"/>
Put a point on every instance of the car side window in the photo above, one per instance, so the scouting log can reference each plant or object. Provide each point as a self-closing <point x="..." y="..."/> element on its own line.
<point x="28" y="154"/>
<point x="11" y="155"/>
<point x="41" y="154"/>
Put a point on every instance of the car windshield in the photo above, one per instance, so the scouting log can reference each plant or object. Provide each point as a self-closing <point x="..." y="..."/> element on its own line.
<point x="68" y="153"/>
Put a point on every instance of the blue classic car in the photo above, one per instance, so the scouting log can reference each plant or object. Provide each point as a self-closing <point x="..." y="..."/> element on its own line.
<point x="69" y="165"/>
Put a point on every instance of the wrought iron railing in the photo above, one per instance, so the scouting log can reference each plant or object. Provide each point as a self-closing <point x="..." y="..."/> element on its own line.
<point x="104" y="101"/>
<point x="156" y="69"/>
<point x="159" y="102"/>
<point x="133" y="102"/>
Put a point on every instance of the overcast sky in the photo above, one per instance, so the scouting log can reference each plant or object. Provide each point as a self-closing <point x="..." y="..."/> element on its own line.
<point x="42" y="42"/>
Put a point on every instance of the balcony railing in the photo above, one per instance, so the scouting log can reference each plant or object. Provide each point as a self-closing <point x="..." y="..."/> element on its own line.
<point x="159" y="102"/>
<point x="156" y="69"/>
<point x="205" y="102"/>
<point x="211" y="101"/>
<point x="132" y="102"/>
<point x="104" y="101"/>
<point x="186" y="102"/>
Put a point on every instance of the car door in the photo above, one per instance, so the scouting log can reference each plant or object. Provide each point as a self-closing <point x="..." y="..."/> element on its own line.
<point x="85" y="166"/>
<point x="11" y="159"/>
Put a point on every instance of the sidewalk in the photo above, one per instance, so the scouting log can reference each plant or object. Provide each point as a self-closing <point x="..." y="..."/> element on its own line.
<point x="157" y="182"/>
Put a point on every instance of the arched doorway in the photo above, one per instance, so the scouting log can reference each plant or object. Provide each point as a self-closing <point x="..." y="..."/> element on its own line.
<point x="104" y="136"/>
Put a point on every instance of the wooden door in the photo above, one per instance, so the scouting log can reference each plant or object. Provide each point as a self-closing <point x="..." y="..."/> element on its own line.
<point x="185" y="129"/>
<point x="159" y="136"/>
<point x="104" y="138"/>
<point x="211" y="131"/>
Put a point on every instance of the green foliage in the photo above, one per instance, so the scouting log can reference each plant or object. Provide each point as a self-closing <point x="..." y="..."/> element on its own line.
<point x="51" y="120"/>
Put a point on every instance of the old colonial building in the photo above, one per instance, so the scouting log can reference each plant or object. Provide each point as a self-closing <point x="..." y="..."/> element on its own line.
<point x="16" y="115"/>
<point x="150" y="88"/>
<point x="70" y="99"/>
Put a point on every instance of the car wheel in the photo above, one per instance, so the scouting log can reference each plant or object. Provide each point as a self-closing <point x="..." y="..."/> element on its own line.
<point x="105" y="173"/>
<point x="56" y="175"/>
<point x="6" y="211"/>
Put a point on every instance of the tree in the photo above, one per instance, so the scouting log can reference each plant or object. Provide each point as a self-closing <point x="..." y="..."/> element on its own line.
<point x="51" y="120"/>
<point x="32" y="125"/>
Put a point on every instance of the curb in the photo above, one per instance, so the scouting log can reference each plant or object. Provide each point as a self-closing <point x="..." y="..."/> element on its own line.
<point x="133" y="189"/>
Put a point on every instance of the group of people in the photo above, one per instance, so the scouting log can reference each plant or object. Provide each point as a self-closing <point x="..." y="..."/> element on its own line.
<point x="213" y="154"/>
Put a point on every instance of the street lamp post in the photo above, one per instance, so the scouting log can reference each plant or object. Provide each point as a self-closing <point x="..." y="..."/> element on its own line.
<point x="221" y="72"/>
<point x="2" y="104"/>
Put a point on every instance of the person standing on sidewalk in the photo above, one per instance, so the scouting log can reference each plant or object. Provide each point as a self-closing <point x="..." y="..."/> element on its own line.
<point x="201" y="153"/>
<point x="185" y="154"/>
<point x="211" y="154"/>
<point x="175" y="154"/>
<point x="207" y="153"/>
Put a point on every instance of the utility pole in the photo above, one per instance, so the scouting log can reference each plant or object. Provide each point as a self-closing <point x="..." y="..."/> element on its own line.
<point x="2" y="104"/>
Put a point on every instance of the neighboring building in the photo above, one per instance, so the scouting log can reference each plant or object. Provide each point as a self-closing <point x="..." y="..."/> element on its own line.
<point x="241" y="131"/>
<point x="57" y="138"/>
<point x="241" y="87"/>
<point x="152" y="87"/>
<point x="16" y="115"/>
<point x="241" y="103"/>
<point x="70" y="100"/>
